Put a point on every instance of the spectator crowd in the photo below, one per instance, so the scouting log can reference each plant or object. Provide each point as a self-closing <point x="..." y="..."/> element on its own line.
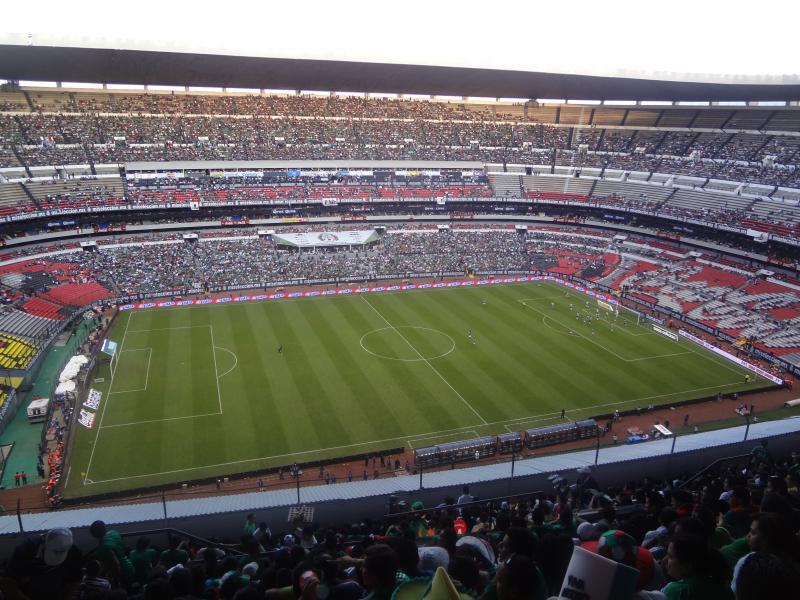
<point x="727" y="533"/>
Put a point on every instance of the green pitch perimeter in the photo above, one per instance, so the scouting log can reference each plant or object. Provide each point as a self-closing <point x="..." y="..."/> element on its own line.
<point x="203" y="391"/>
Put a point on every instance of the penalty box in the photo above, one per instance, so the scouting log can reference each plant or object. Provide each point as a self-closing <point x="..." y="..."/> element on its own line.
<point x="163" y="373"/>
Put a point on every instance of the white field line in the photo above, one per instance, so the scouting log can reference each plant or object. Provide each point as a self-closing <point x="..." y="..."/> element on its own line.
<point x="235" y="360"/>
<point x="167" y="328"/>
<point x="174" y="418"/>
<point x="578" y="294"/>
<point x="598" y="344"/>
<point x="432" y="437"/>
<point x="216" y="372"/>
<point x="147" y="373"/>
<point x="713" y="358"/>
<point x="465" y="429"/>
<point x="214" y="414"/>
<point x="108" y="400"/>
<point x="425" y="360"/>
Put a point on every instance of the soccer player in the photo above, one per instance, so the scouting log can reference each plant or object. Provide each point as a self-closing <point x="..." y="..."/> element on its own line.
<point x="280" y="349"/>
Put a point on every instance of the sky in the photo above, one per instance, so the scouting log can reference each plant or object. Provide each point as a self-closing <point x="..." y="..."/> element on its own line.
<point x="698" y="40"/>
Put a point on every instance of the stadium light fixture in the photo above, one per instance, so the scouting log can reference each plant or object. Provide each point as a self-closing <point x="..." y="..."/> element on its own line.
<point x="166" y="88"/>
<point x="351" y="94"/>
<point x="656" y="103"/>
<point x="314" y="93"/>
<point x="457" y="98"/>
<point x="693" y="103"/>
<point x="382" y="95"/>
<point x="202" y="88"/>
<point x="514" y="100"/>
<point x="483" y="99"/>
<point x="620" y="102"/>
<point x="550" y="101"/>
<point x="48" y="84"/>
<point x="585" y="102"/>
<point x="125" y="86"/>
<point x="234" y="90"/>
<point x="82" y="85"/>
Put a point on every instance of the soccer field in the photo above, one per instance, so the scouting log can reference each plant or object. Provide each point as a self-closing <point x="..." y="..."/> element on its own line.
<point x="225" y="388"/>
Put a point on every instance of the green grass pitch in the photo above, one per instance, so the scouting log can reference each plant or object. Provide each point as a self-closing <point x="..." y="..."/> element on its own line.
<point x="203" y="391"/>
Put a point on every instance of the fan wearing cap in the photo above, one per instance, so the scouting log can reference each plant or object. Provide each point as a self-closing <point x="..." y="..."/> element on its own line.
<point x="46" y="567"/>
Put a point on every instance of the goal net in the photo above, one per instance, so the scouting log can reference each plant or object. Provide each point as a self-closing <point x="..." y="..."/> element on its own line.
<point x="110" y="348"/>
<point x="620" y="312"/>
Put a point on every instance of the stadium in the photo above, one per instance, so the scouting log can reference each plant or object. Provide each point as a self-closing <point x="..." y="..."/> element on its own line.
<point x="411" y="323"/>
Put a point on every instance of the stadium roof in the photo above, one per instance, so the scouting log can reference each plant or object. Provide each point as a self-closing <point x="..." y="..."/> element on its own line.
<point x="115" y="66"/>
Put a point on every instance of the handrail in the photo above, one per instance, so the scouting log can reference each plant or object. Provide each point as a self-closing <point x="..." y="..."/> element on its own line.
<point x="171" y="530"/>
<point x="411" y="513"/>
<point x="709" y="466"/>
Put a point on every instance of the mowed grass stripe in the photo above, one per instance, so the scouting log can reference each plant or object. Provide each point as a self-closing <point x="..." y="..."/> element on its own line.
<point x="312" y="372"/>
<point x="443" y="390"/>
<point x="480" y="371"/>
<point x="326" y="396"/>
<point x="529" y="378"/>
<point x="435" y="392"/>
<point x="363" y="400"/>
<point x="291" y="380"/>
<point x="615" y="379"/>
<point x="400" y="387"/>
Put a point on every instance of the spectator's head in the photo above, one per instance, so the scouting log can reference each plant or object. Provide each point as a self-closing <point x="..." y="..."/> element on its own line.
<point x="769" y="532"/>
<point x="143" y="543"/>
<point x="740" y="497"/>
<point x="518" y="579"/>
<point x="97" y="530"/>
<point x="465" y="569"/>
<point x="518" y="540"/>
<point x="764" y="576"/>
<point x="57" y="543"/>
<point x="380" y="567"/>
<point x="588" y="532"/>
<point x="690" y="556"/>
<point x="667" y="516"/>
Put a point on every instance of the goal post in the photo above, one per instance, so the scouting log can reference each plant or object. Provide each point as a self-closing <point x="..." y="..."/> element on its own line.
<point x="606" y="306"/>
<point x="110" y="347"/>
<point x="633" y="315"/>
<point x="620" y="311"/>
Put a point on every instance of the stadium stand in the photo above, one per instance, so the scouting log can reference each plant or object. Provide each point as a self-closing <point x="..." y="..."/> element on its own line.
<point x="67" y="152"/>
<point x="15" y="351"/>
<point x="735" y="512"/>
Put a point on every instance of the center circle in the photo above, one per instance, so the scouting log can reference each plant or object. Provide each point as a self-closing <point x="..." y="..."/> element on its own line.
<point x="407" y="343"/>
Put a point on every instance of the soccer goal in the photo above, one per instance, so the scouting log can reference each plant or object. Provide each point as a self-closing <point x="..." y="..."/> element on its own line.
<point x="619" y="310"/>
<point x="110" y="347"/>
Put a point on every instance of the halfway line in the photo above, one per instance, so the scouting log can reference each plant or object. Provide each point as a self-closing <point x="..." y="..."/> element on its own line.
<point x="425" y="360"/>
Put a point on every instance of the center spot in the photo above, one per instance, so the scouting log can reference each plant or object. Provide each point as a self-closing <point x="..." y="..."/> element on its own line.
<point x="408" y="343"/>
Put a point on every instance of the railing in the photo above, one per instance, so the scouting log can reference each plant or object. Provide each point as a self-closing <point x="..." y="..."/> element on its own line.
<point x="445" y="507"/>
<point x="711" y="466"/>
